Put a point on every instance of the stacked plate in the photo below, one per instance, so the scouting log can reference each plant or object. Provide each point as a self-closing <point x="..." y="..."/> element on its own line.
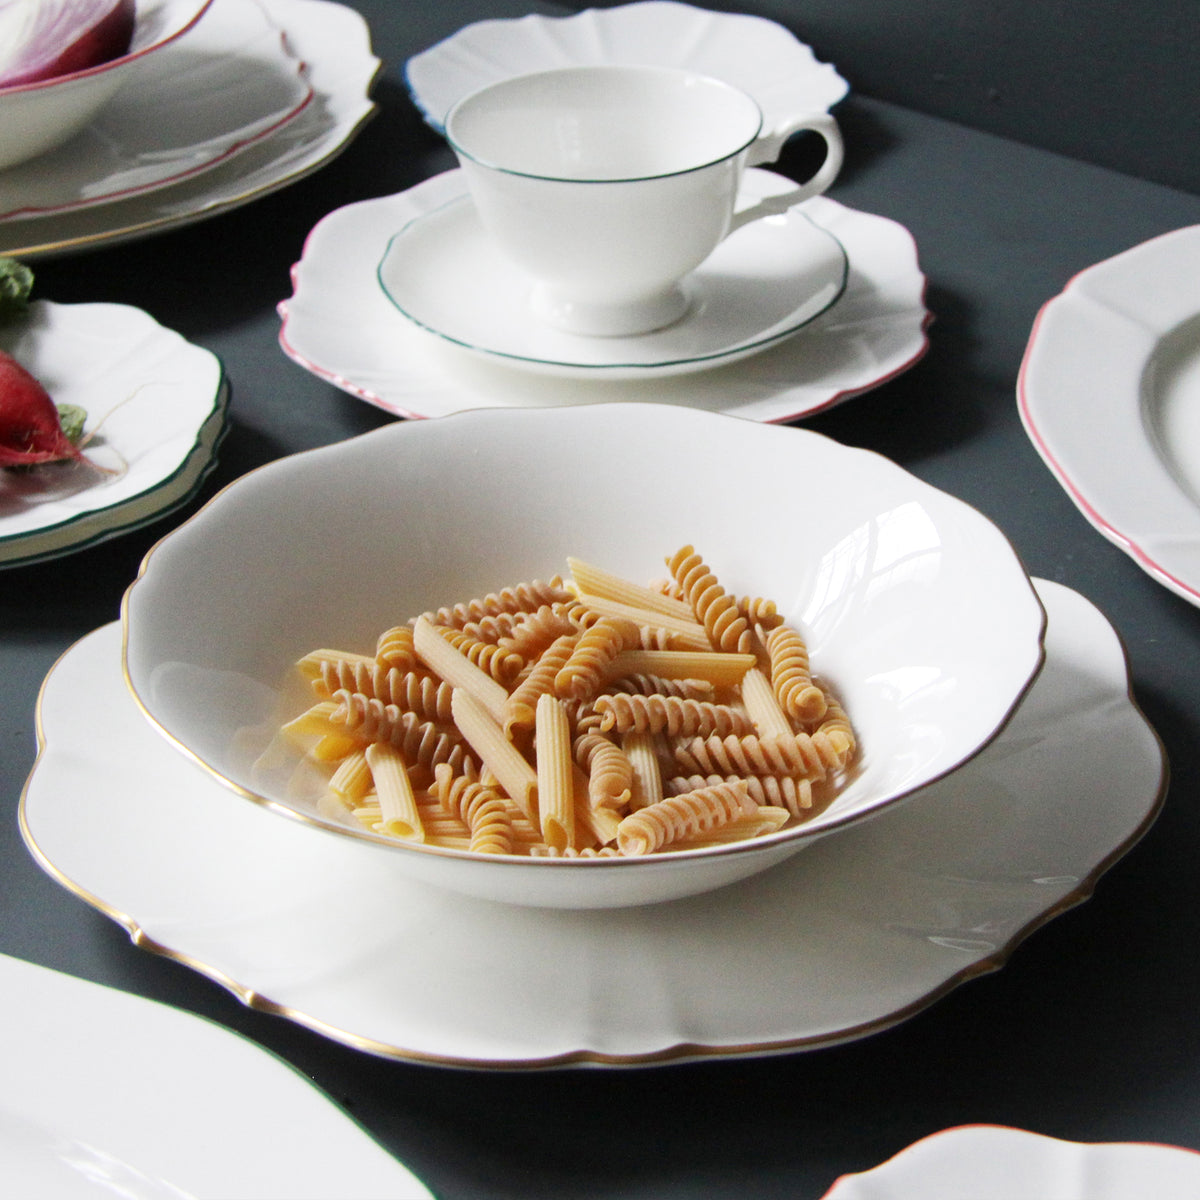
<point x="1028" y="791"/>
<point x="247" y="98"/>
<point x="250" y="98"/>
<point x="402" y="301"/>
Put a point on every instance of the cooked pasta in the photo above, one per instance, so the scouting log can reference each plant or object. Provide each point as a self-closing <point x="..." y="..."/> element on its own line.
<point x="716" y="609"/>
<point x="589" y="717"/>
<point x="671" y="715"/>
<point x="677" y="817"/>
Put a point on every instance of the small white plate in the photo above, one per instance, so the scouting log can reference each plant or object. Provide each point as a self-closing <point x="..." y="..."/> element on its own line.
<point x="333" y="42"/>
<point x="339" y="324"/>
<point x="227" y="83"/>
<point x="991" y="1162"/>
<point x="854" y="935"/>
<point x="107" y="1094"/>
<point x="444" y="273"/>
<point x="753" y="53"/>
<point x="1109" y="393"/>
<point x="156" y="412"/>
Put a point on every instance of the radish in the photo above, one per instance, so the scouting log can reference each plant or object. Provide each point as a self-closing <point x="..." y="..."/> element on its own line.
<point x="44" y="39"/>
<point x="30" y="429"/>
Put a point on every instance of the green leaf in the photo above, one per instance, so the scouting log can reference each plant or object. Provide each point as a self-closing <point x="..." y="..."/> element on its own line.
<point x="16" y="282"/>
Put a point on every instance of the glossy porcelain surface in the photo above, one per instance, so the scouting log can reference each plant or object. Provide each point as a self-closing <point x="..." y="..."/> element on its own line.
<point x="445" y="274"/>
<point x="340" y="324"/>
<point x="990" y="1162"/>
<point x="333" y="42"/>
<point x="915" y="607"/>
<point x="156" y="408"/>
<point x="1109" y="393"/>
<point x="82" y="1114"/>
<point x="854" y="935"/>
<point x="607" y="185"/>
<point x="753" y="53"/>
<point x="208" y="105"/>
<point x="36" y="117"/>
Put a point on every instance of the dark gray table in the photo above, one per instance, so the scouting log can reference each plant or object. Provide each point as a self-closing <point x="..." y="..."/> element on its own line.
<point x="1091" y="1031"/>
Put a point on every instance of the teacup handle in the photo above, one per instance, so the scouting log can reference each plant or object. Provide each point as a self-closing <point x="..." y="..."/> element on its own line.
<point x="768" y="148"/>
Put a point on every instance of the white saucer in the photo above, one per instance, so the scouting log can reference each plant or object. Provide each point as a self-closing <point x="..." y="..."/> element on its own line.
<point x="1109" y="393"/>
<point x="339" y="324"/>
<point x="445" y="273"/>
<point x="156" y="406"/>
<point x="226" y="84"/>
<point x="852" y="936"/>
<point x="333" y="42"/>
<point x="992" y="1162"/>
<point x="82" y="1112"/>
<point x="753" y="53"/>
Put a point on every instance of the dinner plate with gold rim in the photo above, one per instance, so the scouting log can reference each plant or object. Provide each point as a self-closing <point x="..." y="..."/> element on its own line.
<point x="854" y="935"/>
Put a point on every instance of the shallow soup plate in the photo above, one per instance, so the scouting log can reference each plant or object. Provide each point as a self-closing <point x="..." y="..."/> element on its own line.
<point x="917" y="614"/>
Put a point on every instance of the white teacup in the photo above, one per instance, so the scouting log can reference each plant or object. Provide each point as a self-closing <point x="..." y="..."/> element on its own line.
<point x="607" y="185"/>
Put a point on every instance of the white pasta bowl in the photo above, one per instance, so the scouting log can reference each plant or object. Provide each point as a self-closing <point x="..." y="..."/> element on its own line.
<point x="917" y="613"/>
<point x="37" y="117"/>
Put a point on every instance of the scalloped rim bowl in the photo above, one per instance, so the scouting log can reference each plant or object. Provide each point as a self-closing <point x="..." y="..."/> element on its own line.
<point x="916" y="609"/>
<point x="994" y="1162"/>
<point x="36" y="117"/>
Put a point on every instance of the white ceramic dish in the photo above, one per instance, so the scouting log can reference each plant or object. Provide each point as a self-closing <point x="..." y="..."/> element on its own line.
<point x="156" y="408"/>
<point x="1109" y="393"/>
<point x="991" y="1162"/>
<point x="82" y="1112"/>
<point x="757" y="55"/>
<point x="334" y="44"/>
<point x="36" y="117"/>
<point x="445" y="274"/>
<point x="916" y="610"/>
<point x="339" y="325"/>
<point x="208" y="105"/>
<point x="855" y="935"/>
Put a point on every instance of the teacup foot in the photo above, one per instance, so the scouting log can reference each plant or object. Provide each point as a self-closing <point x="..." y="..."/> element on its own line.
<point x="625" y="319"/>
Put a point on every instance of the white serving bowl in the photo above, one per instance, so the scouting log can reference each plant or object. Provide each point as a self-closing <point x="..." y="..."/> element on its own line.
<point x="916" y="609"/>
<point x="992" y="1162"/>
<point x="36" y="117"/>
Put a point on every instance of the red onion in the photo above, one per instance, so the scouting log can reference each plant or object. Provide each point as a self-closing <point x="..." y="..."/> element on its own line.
<point x="43" y="39"/>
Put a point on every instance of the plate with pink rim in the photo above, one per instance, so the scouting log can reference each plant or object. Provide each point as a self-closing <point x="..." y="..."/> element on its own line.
<point x="850" y="937"/>
<point x="340" y="324"/>
<point x="994" y="1162"/>
<point x="224" y="85"/>
<point x="1109" y="394"/>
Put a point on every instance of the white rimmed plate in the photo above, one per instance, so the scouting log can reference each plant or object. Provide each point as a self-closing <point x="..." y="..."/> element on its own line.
<point x="82" y="1112"/>
<point x="333" y="42"/>
<point x="992" y="1162"/>
<point x="229" y="82"/>
<point x="854" y="935"/>
<point x="753" y="53"/>
<point x="156" y="408"/>
<point x="1109" y="393"/>
<point x="445" y="274"/>
<point x="339" y="324"/>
